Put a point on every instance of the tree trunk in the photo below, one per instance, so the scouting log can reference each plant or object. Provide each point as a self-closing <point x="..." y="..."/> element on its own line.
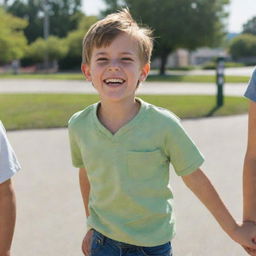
<point x="163" y="59"/>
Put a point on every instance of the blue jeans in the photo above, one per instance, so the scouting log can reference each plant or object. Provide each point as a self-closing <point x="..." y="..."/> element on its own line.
<point x="104" y="246"/>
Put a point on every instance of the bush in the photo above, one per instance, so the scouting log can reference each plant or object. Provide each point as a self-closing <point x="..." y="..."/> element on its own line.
<point x="243" y="46"/>
<point x="212" y="65"/>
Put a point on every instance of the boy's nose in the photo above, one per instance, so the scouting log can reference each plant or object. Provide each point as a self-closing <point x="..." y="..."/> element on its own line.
<point x="113" y="66"/>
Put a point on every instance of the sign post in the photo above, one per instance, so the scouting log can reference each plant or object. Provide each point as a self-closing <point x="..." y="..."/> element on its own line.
<point x="220" y="81"/>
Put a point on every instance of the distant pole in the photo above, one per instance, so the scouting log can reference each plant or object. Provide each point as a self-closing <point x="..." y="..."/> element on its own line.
<point x="46" y="33"/>
<point x="220" y="81"/>
<point x="5" y="4"/>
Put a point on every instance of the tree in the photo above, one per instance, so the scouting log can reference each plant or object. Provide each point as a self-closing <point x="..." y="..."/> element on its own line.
<point x="250" y="26"/>
<point x="74" y="43"/>
<point x="12" y="40"/>
<point x="243" y="46"/>
<point x="112" y="5"/>
<point x="64" y="16"/>
<point x="179" y="23"/>
<point x="53" y="46"/>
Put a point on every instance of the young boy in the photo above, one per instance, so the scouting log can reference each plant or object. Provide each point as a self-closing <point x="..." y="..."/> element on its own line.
<point x="8" y="167"/>
<point x="123" y="147"/>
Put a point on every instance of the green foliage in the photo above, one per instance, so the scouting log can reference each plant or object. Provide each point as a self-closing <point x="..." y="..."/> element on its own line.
<point x="74" y="43"/>
<point x="28" y="10"/>
<point x="250" y="26"/>
<point x="54" y="46"/>
<point x="12" y="40"/>
<point x="178" y="23"/>
<point x="75" y="38"/>
<point x="212" y="65"/>
<point x="64" y="16"/>
<point x="112" y="6"/>
<point x="243" y="46"/>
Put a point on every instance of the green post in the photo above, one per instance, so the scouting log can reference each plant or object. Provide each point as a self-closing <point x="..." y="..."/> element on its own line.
<point x="220" y="81"/>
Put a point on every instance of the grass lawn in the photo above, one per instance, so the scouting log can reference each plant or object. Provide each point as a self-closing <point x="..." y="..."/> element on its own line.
<point x="166" y="78"/>
<point x="32" y="111"/>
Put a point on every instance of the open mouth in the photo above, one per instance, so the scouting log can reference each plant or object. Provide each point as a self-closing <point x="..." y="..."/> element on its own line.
<point x="114" y="81"/>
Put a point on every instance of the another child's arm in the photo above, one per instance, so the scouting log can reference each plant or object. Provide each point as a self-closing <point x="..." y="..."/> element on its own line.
<point x="201" y="186"/>
<point x="249" y="174"/>
<point x="7" y="216"/>
<point x="85" y="191"/>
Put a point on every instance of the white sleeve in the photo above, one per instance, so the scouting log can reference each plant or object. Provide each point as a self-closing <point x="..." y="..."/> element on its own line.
<point x="9" y="164"/>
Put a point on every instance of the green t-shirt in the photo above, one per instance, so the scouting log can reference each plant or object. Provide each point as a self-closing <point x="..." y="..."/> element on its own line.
<point x="129" y="172"/>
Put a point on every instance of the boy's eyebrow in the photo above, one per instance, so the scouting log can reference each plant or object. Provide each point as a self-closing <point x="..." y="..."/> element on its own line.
<point x="101" y="53"/>
<point x="127" y="53"/>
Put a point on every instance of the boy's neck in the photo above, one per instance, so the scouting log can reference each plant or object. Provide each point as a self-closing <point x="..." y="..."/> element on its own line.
<point x="115" y="115"/>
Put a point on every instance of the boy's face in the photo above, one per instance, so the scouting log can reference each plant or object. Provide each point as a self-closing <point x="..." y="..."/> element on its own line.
<point x="116" y="70"/>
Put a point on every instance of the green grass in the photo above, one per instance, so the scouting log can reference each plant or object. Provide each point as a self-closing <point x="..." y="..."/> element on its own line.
<point x="166" y="78"/>
<point x="33" y="111"/>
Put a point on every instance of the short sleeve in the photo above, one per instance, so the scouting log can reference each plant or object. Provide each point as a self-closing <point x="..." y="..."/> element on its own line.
<point x="184" y="155"/>
<point x="76" y="155"/>
<point x="250" y="92"/>
<point x="9" y="164"/>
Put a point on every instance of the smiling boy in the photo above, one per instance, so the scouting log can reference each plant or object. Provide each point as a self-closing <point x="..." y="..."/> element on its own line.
<point x="123" y="147"/>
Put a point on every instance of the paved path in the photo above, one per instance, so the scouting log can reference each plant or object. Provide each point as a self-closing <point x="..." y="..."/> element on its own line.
<point x="238" y="71"/>
<point x="50" y="214"/>
<point x="50" y="86"/>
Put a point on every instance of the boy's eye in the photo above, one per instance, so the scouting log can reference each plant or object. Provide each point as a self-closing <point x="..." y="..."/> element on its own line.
<point x="102" y="59"/>
<point x="127" y="59"/>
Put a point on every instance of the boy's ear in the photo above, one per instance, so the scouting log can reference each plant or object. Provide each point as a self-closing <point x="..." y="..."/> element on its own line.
<point x="86" y="71"/>
<point x="144" y="72"/>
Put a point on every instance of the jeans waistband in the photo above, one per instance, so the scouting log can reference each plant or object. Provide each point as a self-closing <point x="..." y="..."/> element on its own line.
<point x="102" y="239"/>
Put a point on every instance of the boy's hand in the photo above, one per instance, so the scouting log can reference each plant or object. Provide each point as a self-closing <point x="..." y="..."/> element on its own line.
<point x="86" y="245"/>
<point x="245" y="234"/>
<point x="250" y="251"/>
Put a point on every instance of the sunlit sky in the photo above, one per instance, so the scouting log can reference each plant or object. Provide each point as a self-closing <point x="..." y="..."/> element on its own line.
<point x="240" y="11"/>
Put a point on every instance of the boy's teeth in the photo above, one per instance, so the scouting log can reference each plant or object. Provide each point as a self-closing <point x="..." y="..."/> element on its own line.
<point x="114" y="80"/>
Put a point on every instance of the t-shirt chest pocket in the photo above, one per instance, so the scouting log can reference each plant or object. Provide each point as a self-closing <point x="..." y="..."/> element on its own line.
<point x="143" y="165"/>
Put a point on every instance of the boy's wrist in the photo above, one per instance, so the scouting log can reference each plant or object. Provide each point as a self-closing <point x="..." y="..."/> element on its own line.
<point x="232" y="229"/>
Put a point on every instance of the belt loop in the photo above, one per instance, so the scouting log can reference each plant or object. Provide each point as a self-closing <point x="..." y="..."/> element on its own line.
<point x="103" y="240"/>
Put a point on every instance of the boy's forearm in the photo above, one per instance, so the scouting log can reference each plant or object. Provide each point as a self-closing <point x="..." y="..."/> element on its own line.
<point x="249" y="188"/>
<point x="201" y="186"/>
<point x="7" y="216"/>
<point x="84" y="188"/>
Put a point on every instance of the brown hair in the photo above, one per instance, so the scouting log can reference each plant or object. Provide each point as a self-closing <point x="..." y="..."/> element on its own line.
<point x="103" y="32"/>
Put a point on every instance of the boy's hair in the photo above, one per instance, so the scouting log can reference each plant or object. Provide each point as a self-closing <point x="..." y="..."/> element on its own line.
<point x="103" y="32"/>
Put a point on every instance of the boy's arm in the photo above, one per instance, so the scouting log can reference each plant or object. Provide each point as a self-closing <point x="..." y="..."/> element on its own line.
<point x="249" y="173"/>
<point x="7" y="216"/>
<point x="201" y="186"/>
<point x="85" y="191"/>
<point x="84" y="188"/>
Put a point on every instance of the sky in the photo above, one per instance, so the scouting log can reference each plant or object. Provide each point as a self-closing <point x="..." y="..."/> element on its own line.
<point x="240" y="11"/>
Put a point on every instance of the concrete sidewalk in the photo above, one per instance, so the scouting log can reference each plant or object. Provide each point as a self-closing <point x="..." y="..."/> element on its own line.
<point x="50" y="214"/>
<point x="77" y="86"/>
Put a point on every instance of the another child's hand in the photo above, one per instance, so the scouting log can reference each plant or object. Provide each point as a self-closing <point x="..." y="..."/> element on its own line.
<point x="245" y="235"/>
<point x="86" y="245"/>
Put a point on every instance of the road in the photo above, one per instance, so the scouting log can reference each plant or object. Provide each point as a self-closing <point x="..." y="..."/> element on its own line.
<point x="59" y="86"/>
